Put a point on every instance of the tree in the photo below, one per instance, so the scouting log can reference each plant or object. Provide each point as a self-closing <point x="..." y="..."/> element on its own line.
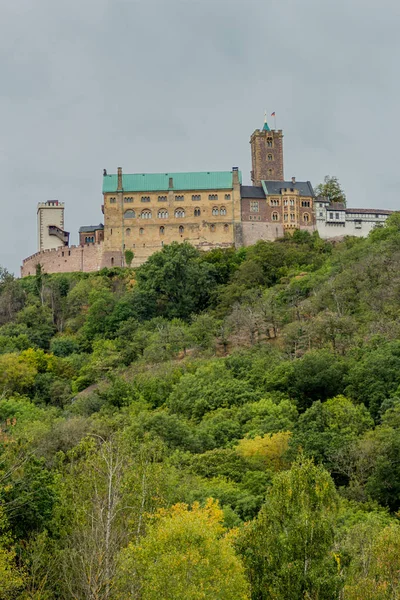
<point x="175" y="282"/>
<point x="287" y="550"/>
<point x="129" y="256"/>
<point x="184" y="554"/>
<point x="331" y="190"/>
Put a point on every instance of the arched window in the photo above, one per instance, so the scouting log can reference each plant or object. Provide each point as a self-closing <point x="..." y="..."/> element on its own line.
<point x="112" y="261"/>
<point x="212" y="227"/>
<point x="128" y="231"/>
<point x="179" y="213"/>
<point x="275" y="216"/>
<point x="163" y="214"/>
<point x="306" y="217"/>
<point x="215" y="211"/>
<point x="129" y="214"/>
<point x="269" y="172"/>
<point x="141" y="231"/>
<point x="145" y="199"/>
<point x="227" y="196"/>
<point x="145" y="214"/>
<point x="179" y="198"/>
<point x="162" y="230"/>
<point x="196" y="197"/>
<point x="197" y="212"/>
<point x="269" y="142"/>
<point x="213" y="196"/>
<point x="181" y="229"/>
<point x="226" y="227"/>
<point x="128" y="199"/>
<point x="270" y="157"/>
<point x="222" y="210"/>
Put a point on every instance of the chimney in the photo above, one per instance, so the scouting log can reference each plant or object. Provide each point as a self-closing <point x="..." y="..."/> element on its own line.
<point x="119" y="186"/>
<point x="235" y="175"/>
<point x="293" y="180"/>
<point x="171" y="183"/>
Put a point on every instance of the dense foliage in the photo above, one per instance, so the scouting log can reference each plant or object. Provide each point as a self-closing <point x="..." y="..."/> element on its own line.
<point x="209" y="425"/>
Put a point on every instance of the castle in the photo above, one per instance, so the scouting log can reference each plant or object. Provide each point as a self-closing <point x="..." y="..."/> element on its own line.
<point x="143" y="212"/>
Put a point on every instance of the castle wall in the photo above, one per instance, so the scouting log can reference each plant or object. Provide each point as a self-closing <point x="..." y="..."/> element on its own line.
<point x="90" y="257"/>
<point x="252" y="232"/>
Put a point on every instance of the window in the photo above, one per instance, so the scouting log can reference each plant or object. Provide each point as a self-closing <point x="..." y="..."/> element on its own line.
<point x="274" y="202"/>
<point x="197" y="212"/>
<point x="331" y="215"/>
<point x="196" y="197"/>
<point x="291" y="201"/>
<point x="270" y="157"/>
<point x="222" y="211"/>
<point x="269" y="172"/>
<point x="275" y="216"/>
<point x="179" y="198"/>
<point x="292" y="216"/>
<point x="227" y="196"/>
<point x="212" y="227"/>
<point x="128" y="199"/>
<point x="181" y="229"/>
<point x="129" y="214"/>
<point x="285" y="217"/>
<point x="285" y="202"/>
<point x="128" y="231"/>
<point x="226" y="227"/>
<point x="112" y="261"/>
<point x="162" y="230"/>
<point x="306" y="217"/>
<point x="162" y="214"/>
<point x="305" y="203"/>
<point x="269" y="142"/>
<point x="145" y="214"/>
<point x="337" y="215"/>
<point x="213" y="196"/>
<point x="141" y="231"/>
<point x="321" y="214"/>
<point x="162" y="198"/>
<point x="254" y="206"/>
<point x="113" y="200"/>
<point x="145" y="199"/>
<point x="215" y="211"/>
<point x="179" y="213"/>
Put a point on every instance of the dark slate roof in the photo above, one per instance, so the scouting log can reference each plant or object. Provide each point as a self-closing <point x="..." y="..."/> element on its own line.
<point x="251" y="191"/>
<point x="90" y="228"/>
<point x="366" y="211"/>
<point x="336" y="206"/>
<point x="274" y="187"/>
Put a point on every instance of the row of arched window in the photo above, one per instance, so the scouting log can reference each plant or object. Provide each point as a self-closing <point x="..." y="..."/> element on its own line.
<point x="128" y="230"/>
<point x="179" y="213"/>
<point x="275" y="217"/>
<point x="178" y="198"/>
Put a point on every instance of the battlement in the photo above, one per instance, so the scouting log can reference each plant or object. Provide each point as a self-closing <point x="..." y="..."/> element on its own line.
<point x="67" y="259"/>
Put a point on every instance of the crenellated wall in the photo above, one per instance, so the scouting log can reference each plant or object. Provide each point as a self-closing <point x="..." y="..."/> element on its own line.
<point x="86" y="258"/>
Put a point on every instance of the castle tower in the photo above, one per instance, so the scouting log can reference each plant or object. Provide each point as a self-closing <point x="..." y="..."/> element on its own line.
<point x="266" y="155"/>
<point x="50" y="223"/>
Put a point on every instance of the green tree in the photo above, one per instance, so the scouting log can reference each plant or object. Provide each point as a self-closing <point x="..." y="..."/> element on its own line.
<point x="331" y="190"/>
<point x="129" y="256"/>
<point x="184" y="554"/>
<point x="287" y="550"/>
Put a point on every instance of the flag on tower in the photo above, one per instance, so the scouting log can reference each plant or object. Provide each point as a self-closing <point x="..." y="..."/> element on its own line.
<point x="273" y="114"/>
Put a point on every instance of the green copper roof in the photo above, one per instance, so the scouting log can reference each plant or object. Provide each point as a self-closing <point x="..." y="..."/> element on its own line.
<point x="266" y="127"/>
<point x="159" y="182"/>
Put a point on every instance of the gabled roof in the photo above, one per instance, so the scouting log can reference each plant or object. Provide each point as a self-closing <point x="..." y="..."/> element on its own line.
<point x="366" y="211"/>
<point x="159" y="182"/>
<point x="336" y="206"/>
<point x="251" y="191"/>
<point x="90" y="228"/>
<point x="275" y="187"/>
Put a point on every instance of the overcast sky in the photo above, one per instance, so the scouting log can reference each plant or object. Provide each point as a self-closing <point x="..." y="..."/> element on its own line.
<point x="179" y="85"/>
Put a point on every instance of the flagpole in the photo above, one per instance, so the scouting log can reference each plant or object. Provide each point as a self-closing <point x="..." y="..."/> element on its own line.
<point x="275" y="121"/>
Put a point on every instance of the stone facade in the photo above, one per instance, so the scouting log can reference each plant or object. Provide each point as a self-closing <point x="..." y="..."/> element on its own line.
<point x="266" y="155"/>
<point x="50" y="225"/>
<point x="90" y="257"/>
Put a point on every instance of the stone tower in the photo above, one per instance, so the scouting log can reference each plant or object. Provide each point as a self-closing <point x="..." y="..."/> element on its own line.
<point x="50" y="224"/>
<point x="266" y="155"/>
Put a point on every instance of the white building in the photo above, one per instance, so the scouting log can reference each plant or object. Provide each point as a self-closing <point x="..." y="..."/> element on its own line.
<point x="50" y="223"/>
<point x="335" y="220"/>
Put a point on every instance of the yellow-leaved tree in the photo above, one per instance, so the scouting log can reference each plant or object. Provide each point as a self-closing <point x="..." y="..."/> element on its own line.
<point x="186" y="553"/>
<point x="268" y="450"/>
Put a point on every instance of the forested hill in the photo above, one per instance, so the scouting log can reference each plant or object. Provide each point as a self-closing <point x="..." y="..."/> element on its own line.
<point x="210" y="426"/>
